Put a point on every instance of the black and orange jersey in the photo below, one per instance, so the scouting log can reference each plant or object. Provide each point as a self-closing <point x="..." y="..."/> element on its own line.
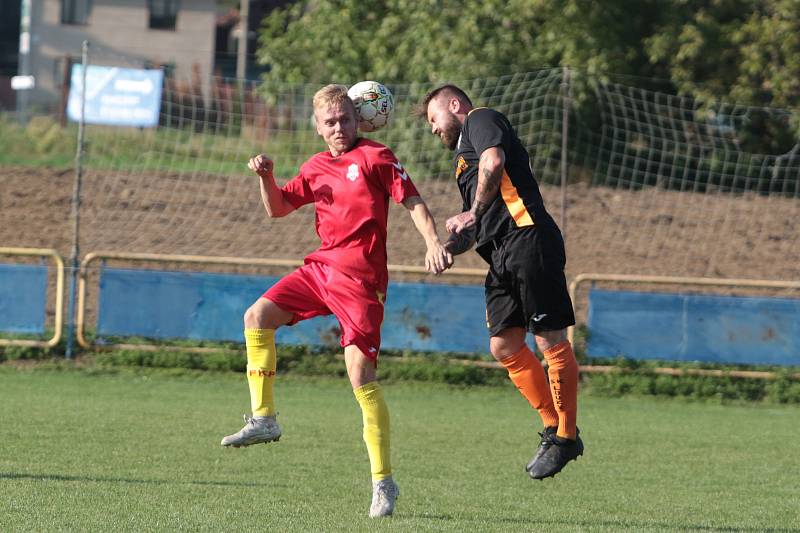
<point x="519" y="202"/>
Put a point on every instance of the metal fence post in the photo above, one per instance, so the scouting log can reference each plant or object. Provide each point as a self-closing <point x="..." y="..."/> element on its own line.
<point x="76" y="202"/>
<point x="24" y="59"/>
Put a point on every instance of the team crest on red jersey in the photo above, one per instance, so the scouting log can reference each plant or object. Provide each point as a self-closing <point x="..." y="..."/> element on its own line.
<point x="352" y="172"/>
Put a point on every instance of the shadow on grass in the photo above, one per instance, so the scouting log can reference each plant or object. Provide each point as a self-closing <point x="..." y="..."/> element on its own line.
<point x="62" y="477"/>
<point x="612" y="525"/>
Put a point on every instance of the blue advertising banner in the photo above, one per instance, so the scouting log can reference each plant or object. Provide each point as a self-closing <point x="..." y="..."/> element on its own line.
<point x="694" y="327"/>
<point x="204" y="306"/>
<point x="116" y="96"/>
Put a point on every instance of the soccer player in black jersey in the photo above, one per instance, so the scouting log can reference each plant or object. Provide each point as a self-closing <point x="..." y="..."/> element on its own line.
<point x="505" y="219"/>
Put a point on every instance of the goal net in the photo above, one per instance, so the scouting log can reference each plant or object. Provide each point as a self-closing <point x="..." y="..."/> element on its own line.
<point x="655" y="183"/>
<point x="667" y="185"/>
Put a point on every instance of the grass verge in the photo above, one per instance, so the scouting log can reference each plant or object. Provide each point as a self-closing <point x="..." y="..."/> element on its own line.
<point x="626" y="377"/>
<point x="121" y="449"/>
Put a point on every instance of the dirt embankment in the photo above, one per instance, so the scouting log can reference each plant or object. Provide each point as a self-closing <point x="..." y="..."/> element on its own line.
<point x="649" y="232"/>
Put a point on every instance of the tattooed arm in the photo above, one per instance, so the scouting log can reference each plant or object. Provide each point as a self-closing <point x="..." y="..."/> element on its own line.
<point x="490" y="172"/>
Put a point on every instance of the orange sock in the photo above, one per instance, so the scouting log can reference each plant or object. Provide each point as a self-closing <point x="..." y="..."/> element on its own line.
<point x="563" y="373"/>
<point x="527" y="374"/>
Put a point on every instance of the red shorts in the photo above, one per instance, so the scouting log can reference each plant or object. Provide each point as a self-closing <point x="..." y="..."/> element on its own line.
<point x="317" y="289"/>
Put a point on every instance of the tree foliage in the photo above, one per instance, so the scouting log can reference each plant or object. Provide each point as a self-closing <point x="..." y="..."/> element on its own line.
<point x="747" y="51"/>
<point x="744" y="49"/>
<point x="435" y="40"/>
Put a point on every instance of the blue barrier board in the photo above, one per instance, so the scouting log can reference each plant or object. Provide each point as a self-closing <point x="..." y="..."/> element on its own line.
<point x="203" y="306"/>
<point x="23" y="297"/>
<point x="683" y="327"/>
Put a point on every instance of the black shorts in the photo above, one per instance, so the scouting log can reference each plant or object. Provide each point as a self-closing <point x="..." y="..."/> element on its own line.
<point x="526" y="286"/>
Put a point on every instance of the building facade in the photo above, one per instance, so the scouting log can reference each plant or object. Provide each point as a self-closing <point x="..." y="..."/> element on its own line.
<point x="175" y="34"/>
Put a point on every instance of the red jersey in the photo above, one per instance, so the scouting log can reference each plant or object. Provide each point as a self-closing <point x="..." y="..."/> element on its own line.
<point x="351" y="197"/>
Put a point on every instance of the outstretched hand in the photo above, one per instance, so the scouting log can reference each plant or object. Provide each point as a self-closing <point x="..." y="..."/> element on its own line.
<point x="261" y="165"/>
<point x="438" y="259"/>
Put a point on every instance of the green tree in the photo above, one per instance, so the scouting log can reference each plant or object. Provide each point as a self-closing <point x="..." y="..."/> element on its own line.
<point x="745" y="51"/>
<point x="318" y="41"/>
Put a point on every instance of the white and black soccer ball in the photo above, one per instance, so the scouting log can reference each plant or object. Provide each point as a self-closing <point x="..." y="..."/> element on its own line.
<point x="374" y="104"/>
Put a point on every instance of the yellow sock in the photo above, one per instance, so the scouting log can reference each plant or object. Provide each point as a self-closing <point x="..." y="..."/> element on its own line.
<point x="261" y="361"/>
<point x="376" y="429"/>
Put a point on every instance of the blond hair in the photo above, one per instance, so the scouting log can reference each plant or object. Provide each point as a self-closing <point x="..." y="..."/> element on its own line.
<point x="332" y="95"/>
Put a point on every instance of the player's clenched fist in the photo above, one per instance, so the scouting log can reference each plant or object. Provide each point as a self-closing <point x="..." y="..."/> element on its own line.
<point x="261" y="165"/>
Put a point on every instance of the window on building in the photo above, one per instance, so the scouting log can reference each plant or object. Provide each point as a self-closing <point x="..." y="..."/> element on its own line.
<point x="163" y="14"/>
<point x="75" y="11"/>
<point x="9" y="40"/>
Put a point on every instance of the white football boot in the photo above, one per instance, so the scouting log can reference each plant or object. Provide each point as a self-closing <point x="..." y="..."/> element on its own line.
<point x="256" y="429"/>
<point x="384" y="493"/>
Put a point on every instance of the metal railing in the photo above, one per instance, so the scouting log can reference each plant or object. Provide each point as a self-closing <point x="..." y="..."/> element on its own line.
<point x="59" y="294"/>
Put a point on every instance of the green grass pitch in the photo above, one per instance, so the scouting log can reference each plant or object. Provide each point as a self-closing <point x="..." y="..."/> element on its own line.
<point x="83" y="451"/>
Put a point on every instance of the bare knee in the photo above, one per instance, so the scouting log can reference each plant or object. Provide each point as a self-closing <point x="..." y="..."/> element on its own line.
<point x="264" y="314"/>
<point x="360" y="368"/>
<point x="507" y="342"/>
<point x="547" y="339"/>
<point x="252" y="317"/>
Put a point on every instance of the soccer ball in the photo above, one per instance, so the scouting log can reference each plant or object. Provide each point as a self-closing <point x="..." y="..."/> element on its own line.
<point x="374" y="104"/>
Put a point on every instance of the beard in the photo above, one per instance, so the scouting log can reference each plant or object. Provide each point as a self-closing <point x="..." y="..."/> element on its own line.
<point x="450" y="132"/>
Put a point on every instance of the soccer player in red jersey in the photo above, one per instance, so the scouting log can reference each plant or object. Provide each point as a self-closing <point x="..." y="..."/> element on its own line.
<point x="350" y="185"/>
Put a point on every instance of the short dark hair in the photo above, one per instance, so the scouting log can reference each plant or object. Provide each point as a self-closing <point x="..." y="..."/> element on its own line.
<point x="450" y="90"/>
